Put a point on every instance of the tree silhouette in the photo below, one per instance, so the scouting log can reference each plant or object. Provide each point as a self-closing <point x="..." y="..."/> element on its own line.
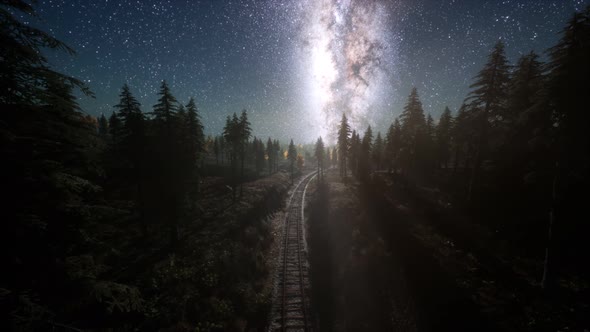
<point x="103" y="126"/>
<point x="130" y="148"/>
<point x="271" y="155"/>
<point x="244" y="133"/>
<point x="320" y="157"/>
<point x="443" y="138"/>
<point x="568" y="82"/>
<point x="378" y="151"/>
<point x="413" y="132"/>
<point x="364" y="154"/>
<point x="488" y="104"/>
<point x="343" y="144"/>
<point x="292" y="155"/>
<point x="393" y="146"/>
<point x="170" y="166"/>
<point x="25" y="76"/>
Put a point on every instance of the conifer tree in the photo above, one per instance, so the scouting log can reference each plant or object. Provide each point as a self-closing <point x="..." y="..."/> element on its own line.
<point x="378" y="149"/>
<point x="103" y="126"/>
<point x="25" y="75"/>
<point x="343" y="144"/>
<point x="364" y="154"/>
<point x="568" y="82"/>
<point x="244" y="133"/>
<point x="488" y="105"/>
<point x="130" y="148"/>
<point x="170" y="163"/>
<point x="292" y="155"/>
<point x="271" y="155"/>
<point x="196" y="137"/>
<point x="393" y="146"/>
<point x="320" y="157"/>
<point x="443" y="138"/>
<point x="114" y="129"/>
<point x="413" y="132"/>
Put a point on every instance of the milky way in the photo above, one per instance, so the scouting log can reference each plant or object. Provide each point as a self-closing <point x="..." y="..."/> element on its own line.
<point x="347" y="53"/>
<point x="295" y="65"/>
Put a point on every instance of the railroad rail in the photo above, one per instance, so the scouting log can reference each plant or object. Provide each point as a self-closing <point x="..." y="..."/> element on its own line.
<point x="290" y="310"/>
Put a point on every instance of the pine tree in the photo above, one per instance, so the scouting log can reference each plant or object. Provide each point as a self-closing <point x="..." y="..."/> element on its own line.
<point x="443" y="138"/>
<point x="232" y="137"/>
<point x="244" y="133"/>
<point x="429" y="154"/>
<point x="488" y="102"/>
<point x="568" y="82"/>
<point x="131" y="131"/>
<point x="393" y="146"/>
<point x="25" y="75"/>
<point x="343" y="144"/>
<point x="114" y="129"/>
<point x="271" y="155"/>
<point x="47" y="173"/>
<point x="319" y="155"/>
<point x="103" y="126"/>
<point x="196" y="137"/>
<point x="278" y="153"/>
<point x="378" y="151"/>
<point x="292" y="155"/>
<point x="170" y="164"/>
<point x="164" y="111"/>
<point x="259" y="153"/>
<point x="130" y="148"/>
<point x="462" y="138"/>
<point x="364" y="154"/>
<point x="413" y="131"/>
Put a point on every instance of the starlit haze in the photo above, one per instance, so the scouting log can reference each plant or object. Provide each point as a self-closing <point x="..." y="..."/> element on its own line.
<point x="295" y="65"/>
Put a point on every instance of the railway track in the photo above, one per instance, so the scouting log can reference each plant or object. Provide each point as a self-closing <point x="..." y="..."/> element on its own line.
<point x="290" y="310"/>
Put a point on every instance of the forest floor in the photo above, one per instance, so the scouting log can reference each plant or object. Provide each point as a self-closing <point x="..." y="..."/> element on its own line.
<point x="383" y="260"/>
<point x="216" y="277"/>
<point x="503" y="283"/>
<point x="369" y="274"/>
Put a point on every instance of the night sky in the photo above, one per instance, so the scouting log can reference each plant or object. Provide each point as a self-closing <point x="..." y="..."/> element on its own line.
<point x="294" y="65"/>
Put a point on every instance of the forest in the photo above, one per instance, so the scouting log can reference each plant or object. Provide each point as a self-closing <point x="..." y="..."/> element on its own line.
<point x="138" y="220"/>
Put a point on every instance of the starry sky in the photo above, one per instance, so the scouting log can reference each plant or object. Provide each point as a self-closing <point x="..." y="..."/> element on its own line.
<point x="295" y="65"/>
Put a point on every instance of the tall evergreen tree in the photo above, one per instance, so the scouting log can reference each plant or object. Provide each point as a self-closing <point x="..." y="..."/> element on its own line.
<point x="364" y="154"/>
<point x="292" y="155"/>
<point x="319" y="155"/>
<point x="25" y="75"/>
<point x="343" y="144"/>
<point x="271" y="155"/>
<point x="114" y="129"/>
<point x="568" y="82"/>
<point x="170" y="165"/>
<point x="413" y="132"/>
<point x="488" y="101"/>
<point x="103" y="126"/>
<point x="130" y="148"/>
<point x="244" y="133"/>
<point x="378" y="151"/>
<point x="443" y="138"/>
<point x="430" y="160"/>
<point x="196" y="137"/>
<point x="393" y="146"/>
